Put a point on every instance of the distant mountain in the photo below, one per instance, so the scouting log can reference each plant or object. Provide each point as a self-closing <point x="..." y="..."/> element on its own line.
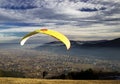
<point x="59" y="47"/>
<point x="107" y="43"/>
<point x="99" y="43"/>
<point x="107" y="49"/>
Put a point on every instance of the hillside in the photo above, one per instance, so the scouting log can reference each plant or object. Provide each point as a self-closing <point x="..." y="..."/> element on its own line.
<point x="41" y="81"/>
<point x="115" y="43"/>
<point x="56" y="60"/>
<point x="107" y="43"/>
<point x="105" y="49"/>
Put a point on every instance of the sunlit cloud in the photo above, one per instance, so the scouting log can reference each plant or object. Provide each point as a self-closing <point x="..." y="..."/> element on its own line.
<point x="78" y="19"/>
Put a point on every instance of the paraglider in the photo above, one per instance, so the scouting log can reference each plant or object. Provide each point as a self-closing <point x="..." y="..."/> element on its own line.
<point x="52" y="33"/>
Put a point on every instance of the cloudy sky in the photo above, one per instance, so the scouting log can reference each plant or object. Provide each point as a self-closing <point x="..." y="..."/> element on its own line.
<point x="77" y="19"/>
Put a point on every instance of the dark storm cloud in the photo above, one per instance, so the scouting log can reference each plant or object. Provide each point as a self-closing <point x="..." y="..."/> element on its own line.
<point x="91" y="9"/>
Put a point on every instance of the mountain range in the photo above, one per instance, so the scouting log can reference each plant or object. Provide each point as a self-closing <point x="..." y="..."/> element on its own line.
<point x="103" y="49"/>
<point x="99" y="43"/>
<point x="103" y="43"/>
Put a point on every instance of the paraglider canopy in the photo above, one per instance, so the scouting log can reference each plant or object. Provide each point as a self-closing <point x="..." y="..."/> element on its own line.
<point x="52" y="33"/>
<point x="43" y="29"/>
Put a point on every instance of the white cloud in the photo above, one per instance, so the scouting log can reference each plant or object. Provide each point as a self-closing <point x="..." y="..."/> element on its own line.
<point x="100" y="19"/>
<point x="7" y="38"/>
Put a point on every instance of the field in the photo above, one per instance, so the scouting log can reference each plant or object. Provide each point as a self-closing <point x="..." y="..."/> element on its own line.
<point x="45" y="81"/>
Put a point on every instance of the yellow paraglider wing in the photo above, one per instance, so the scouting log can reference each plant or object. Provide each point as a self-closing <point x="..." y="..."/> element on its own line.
<point x="25" y="38"/>
<point x="52" y="33"/>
